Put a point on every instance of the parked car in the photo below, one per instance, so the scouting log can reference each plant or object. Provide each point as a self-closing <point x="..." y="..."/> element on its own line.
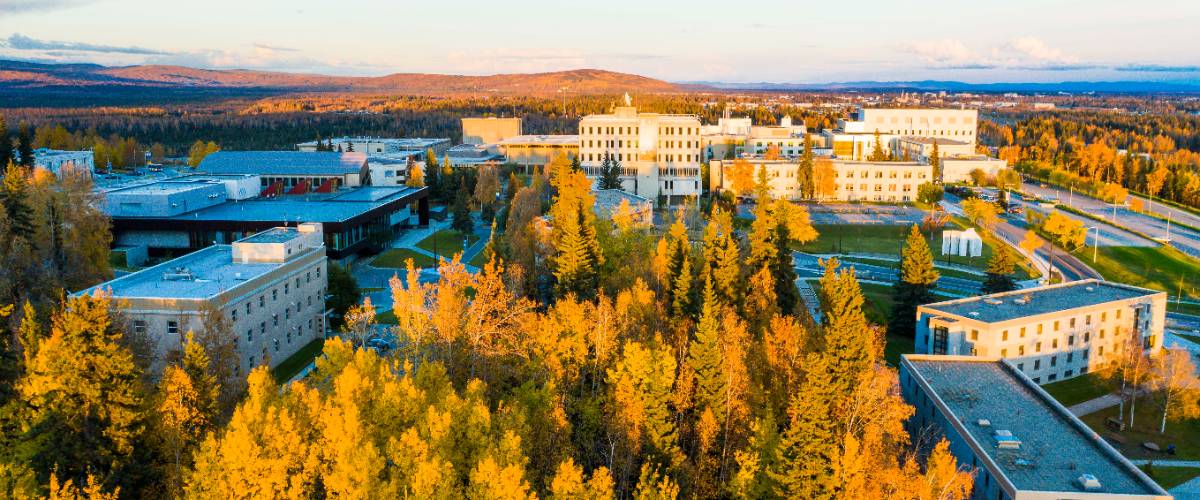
<point x="379" y="345"/>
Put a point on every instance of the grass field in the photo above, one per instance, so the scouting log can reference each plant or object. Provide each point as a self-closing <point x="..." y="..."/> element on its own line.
<point x="861" y="238"/>
<point x="1183" y="308"/>
<point x="1158" y="268"/>
<point x="386" y="318"/>
<point x="877" y="307"/>
<point x="397" y="258"/>
<point x="480" y="259"/>
<point x="1170" y="477"/>
<point x="1185" y="435"/>
<point x="284" y="371"/>
<point x="1079" y="389"/>
<point x="446" y="242"/>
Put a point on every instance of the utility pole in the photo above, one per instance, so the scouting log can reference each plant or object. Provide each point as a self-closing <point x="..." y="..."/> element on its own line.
<point x="1168" y="226"/>
<point x="1095" y="243"/>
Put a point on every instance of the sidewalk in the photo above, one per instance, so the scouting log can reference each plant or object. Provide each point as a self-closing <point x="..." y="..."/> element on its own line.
<point x="1095" y="405"/>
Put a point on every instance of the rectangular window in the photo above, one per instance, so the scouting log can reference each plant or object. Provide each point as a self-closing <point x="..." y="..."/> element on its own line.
<point x="247" y="308"/>
<point x="173" y="327"/>
<point x="974" y="335"/>
<point x="274" y="320"/>
<point x="1022" y="332"/>
<point x="1070" y="340"/>
<point x="1037" y="347"/>
<point x="1039" y="328"/>
<point x="1053" y="360"/>
<point x="1037" y="364"/>
<point x="250" y="335"/>
<point x="233" y="315"/>
<point x="1021" y="350"/>
<point x="1004" y="353"/>
<point x="1004" y="335"/>
<point x="1070" y="357"/>
<point x="1056" y="325"/>
<point x="139" y="327"/>
<point x="1054" y="344"/>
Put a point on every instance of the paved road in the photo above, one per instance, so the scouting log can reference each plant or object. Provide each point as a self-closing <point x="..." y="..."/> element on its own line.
<point x="1184" y="239"/>
<point x="808" y="267"/>
<point x="1012" y="228"/>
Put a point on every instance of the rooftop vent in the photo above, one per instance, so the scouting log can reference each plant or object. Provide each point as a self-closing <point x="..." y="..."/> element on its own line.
<point x="973" y="314"/>
<point x="994" y="302"/>
<point x="1090" y="289"/>
<point x="1089" y="483"/>
<point x="1006" y="441"/>
<point x="1023" y="300"/>
<point x="983" y="422"/>
<point x="179" y="274"/>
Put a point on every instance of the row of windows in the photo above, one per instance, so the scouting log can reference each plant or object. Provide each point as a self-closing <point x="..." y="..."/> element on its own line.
<point x="262" y="299"/>
<point x="275" y="343"/>
<point x="878" y="187"/>
<point x="672" y="185"/>
<point x="892" y="174"/>
<point x="1087" y="335"/>
<point x="621" y="130"/>
<point x="936" y="120"/>
<point x="678" y="172"/>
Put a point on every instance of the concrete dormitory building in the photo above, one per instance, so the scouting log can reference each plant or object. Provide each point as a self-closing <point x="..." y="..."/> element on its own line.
<point x="855" y="139"/>
<point x="57" y="161"/>
<point x="738" y="136"/>
<point x="1022" y="444"/>
<point x="530" y="152"/>
<point x="1048" y="333"/>
<point x="660" y="154"/>
<point x="270" y="286"/>
<point x="895" y="182"/>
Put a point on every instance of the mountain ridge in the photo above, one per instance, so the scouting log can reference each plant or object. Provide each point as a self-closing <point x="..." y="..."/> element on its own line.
<point x="31" y="75"/>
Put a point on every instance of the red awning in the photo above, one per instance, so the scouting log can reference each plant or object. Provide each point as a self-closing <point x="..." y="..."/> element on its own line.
<point x="325" y="187"/>
<point x="301" y="188"/>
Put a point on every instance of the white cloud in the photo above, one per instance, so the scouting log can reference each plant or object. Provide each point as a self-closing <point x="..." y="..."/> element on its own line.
<point x="946" y="51"/>
<point x="1032" y="48"/>
<point x="21" y="6"/>
<point x="1021" y="53"/>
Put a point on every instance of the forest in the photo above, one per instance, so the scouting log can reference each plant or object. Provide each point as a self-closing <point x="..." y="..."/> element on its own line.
<point x="588" y="359"/>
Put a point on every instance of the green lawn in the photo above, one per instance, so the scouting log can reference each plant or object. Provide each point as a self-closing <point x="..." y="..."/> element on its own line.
<point x="1079" y="389"/>
<point x="1158" y="268"/>
<point x="398" y="257"/>
<point x="284" y="371"/>
<point x="386" y="318"/>
<point x="880" y="239"/>
<point x="878" y="306"/>
<point x="1183" y="308"/>
<point x="1185" y="435"/>
<point x="1194" y="338"/>
<point x="446" y="242"/>
<point x="1170" y="477"/>
<point x="479" y="260"/>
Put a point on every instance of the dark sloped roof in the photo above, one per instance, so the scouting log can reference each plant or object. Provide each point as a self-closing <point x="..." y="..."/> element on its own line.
<point x="283" y="162"/>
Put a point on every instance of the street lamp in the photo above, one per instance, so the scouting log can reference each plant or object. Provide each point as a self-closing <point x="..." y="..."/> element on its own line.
<point x="1095" y="242"/>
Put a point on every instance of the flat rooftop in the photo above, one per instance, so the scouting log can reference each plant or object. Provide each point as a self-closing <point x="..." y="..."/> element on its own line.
<point x="273" y="235"/>
<point x="398" y="141"/>
<point x="283" y="162"/>
<point x="1056" y="448"/>
<point x="1041" y="300"/>
<point x="338" y="206"/>
<point x="209" y="272"/>
<point x="541" y="140"/>
<point x="164" y="187"/>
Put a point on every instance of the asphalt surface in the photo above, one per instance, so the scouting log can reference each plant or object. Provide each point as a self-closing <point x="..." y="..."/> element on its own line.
<point x="1186" y="240"/>
<point x="1012" y="228"/>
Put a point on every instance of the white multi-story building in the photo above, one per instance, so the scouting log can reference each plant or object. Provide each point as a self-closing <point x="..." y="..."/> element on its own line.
<point x="855" y="139"/>
<point x="732" y="137"/>
<point x="270" y="287"/>
<point x="56" y="160"/>
<point x="1049" y="333"/>
<point x="895" y="182"/>
<point x="660" y="154"/>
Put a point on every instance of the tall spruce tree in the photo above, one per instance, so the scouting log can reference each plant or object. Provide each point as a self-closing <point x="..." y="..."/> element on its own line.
<point x="610" y="173"/>
<point x="877" y="153"/>
<point x="935" y="161"/>
<point x="851" y="345"/>
<point x="915" y="286"/>
<point x="804" y="172"/>
<point x="704" y="353"/>
<point x="461" y="212"/>
<point x="999" y="271"/>
<point x="16" y="201"/>
<point x="808" y="448"/>
<point x="6" y="146"/>
<point x="25" y="146"/>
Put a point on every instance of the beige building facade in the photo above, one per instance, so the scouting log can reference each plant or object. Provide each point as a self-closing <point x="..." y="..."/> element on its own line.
<point x="889" y="182"/>
<point x="489" y="130"/>
<point x="533" y="151"/>
<point x="1049" y="333"/>
<point x="660" y="154"/>
<point x="270" y="287"/>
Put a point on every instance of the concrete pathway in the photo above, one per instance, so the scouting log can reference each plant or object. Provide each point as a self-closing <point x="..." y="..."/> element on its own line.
<point x="1095" y="405"/>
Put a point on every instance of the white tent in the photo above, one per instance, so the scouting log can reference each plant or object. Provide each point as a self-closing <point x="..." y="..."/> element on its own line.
<point x="962" y="243"/>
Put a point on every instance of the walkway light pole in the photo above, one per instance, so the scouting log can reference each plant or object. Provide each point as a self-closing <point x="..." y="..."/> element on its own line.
<point x="1095" y="243"/>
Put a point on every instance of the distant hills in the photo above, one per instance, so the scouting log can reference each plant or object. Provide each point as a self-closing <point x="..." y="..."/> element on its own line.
<point x="31" y="84"/>
<point x="16" y="75"/>
<point x="1190" y="87"/>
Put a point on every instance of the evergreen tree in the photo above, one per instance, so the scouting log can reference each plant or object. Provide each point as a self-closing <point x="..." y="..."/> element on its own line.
<point x="851" y="345"/>
<point x="6" y="147"/>
<point x="25" y="146"/>
<point x="804" y="172"/>
<point x="877" y="153"/>
<point x="935" y="160"/>
<point x="610" y="173"/>
<point x="999" y="271"/>
<point x="575" y="166"/>
<point x="808" y="447"/>
<point x="16" y="201"/>
<point x="704" y="354"/>
<point x="577" y="247"/>
<point x="722" y="258"/>
<point x="915" y="286"/>
<point x="339" y="148"/>
<point x="461" y="211"/>
<point x="349" y="147"/>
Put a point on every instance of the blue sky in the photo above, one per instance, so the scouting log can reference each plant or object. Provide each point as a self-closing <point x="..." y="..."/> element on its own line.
<point x="766" y="40"/>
